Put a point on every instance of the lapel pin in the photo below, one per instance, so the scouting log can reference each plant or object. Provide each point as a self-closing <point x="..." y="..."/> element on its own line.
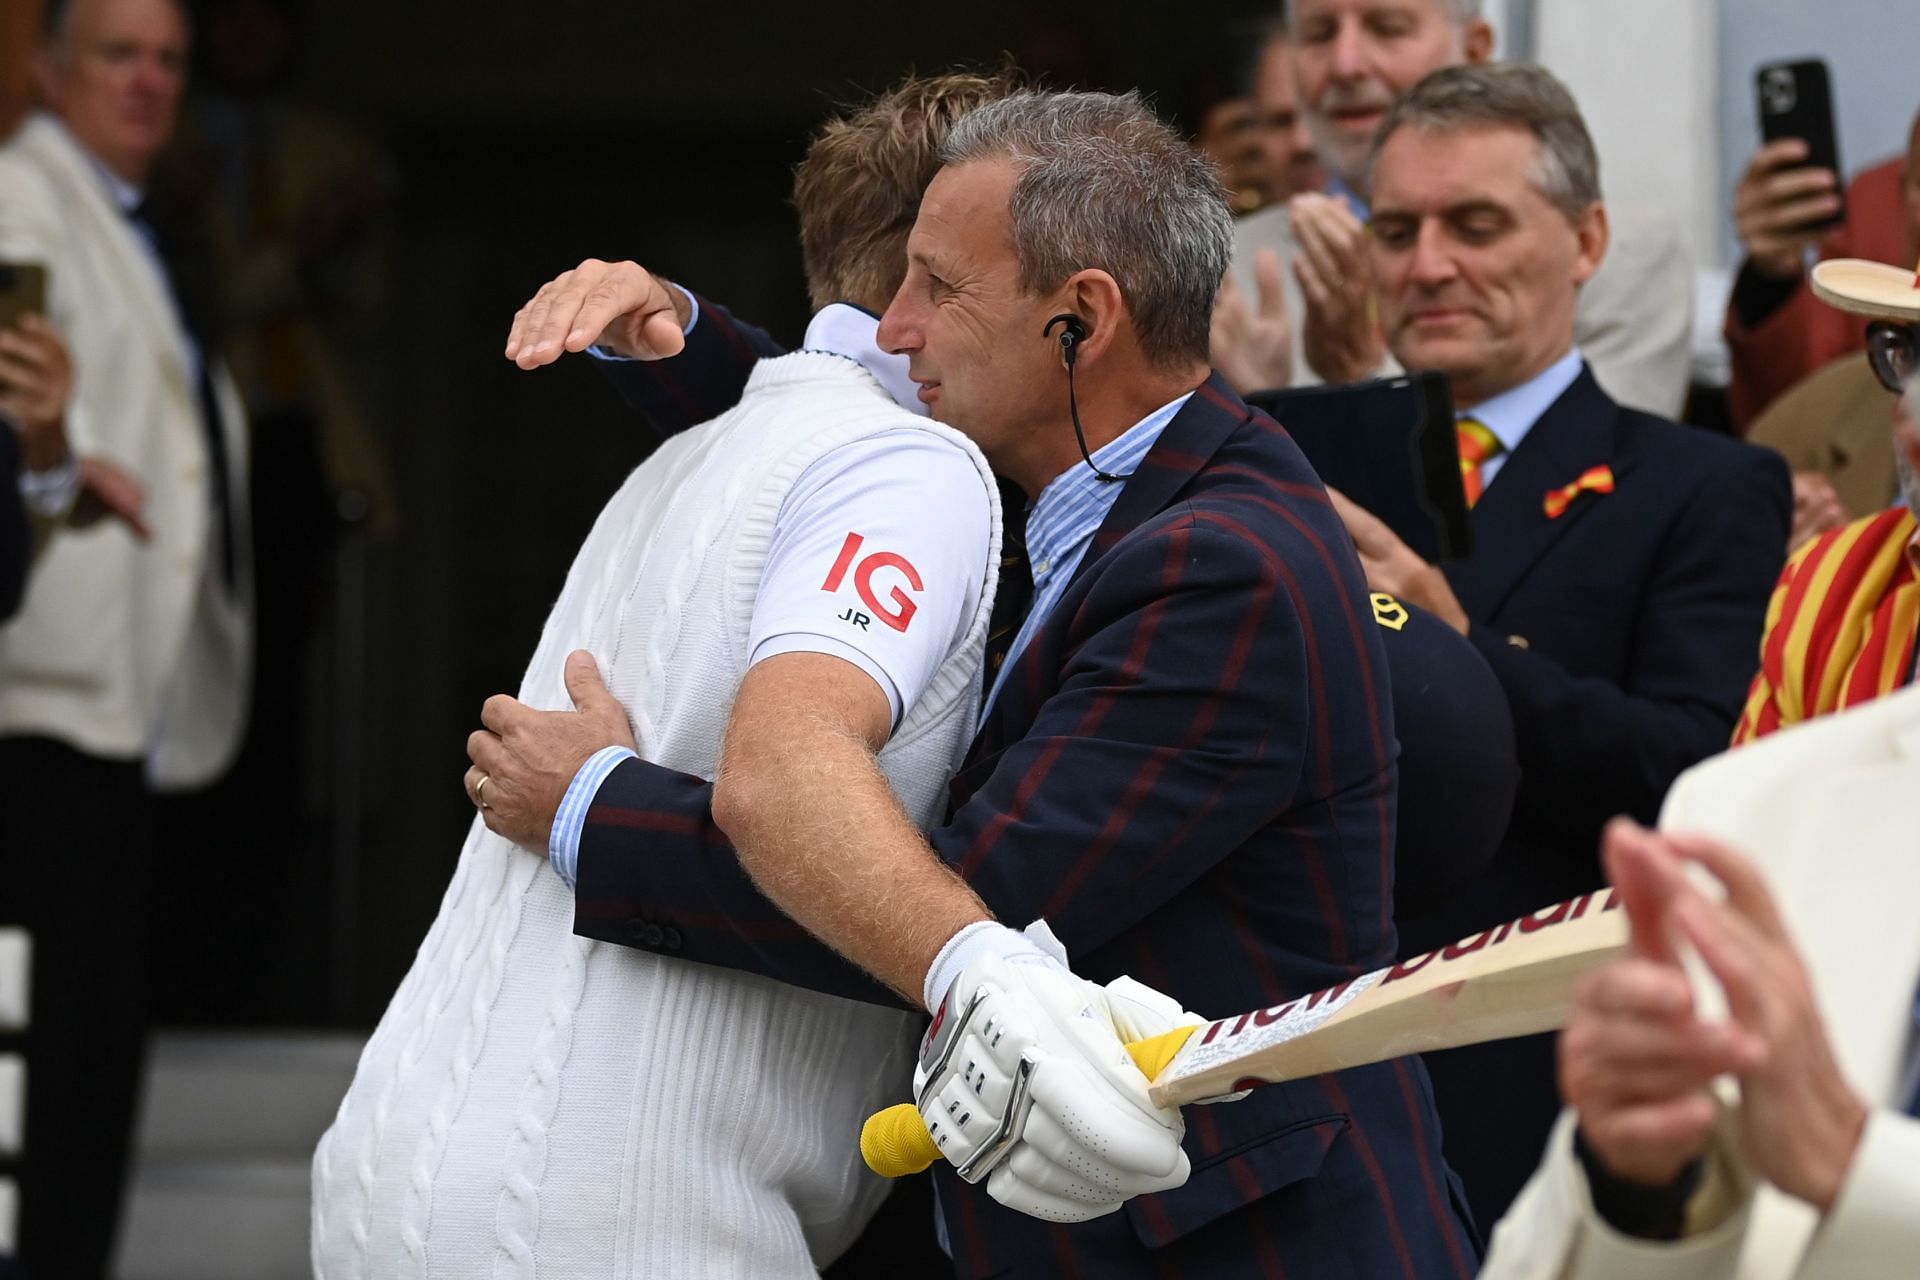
<point x="1593" y="480"/>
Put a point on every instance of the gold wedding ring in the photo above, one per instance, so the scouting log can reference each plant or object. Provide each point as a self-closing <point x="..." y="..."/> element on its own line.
<point x="480" y="791"/>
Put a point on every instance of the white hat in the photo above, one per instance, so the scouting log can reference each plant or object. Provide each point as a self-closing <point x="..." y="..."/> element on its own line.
<point x="1869" y="289"/>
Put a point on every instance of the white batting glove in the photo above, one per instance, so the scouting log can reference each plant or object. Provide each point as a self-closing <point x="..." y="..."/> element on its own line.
<point x="1023" y="1080"/>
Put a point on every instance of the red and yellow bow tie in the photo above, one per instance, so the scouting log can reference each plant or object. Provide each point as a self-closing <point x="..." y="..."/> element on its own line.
<point x="1593" y="480"/>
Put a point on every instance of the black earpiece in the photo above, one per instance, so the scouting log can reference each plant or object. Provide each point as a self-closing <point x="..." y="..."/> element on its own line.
<point x="1073" y="332"/>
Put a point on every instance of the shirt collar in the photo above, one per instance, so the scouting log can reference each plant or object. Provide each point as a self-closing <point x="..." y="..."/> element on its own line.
<point x="1336" y="186"/>
<point x="1512" y="413"/>
<point x="842" y="329"/>
<point x="1074" y="502"/>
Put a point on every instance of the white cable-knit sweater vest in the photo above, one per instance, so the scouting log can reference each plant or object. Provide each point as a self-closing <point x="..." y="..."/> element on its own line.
<point x="536" y="1104"/>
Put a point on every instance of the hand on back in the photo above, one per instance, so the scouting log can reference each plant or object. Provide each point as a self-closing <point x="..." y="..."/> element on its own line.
<point x="617" y="305"/>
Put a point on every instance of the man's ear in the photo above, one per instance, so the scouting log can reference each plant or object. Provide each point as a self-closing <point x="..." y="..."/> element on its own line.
<point x="1094" y="296"/>
<point x="1478" y="45"/>
<point x="1593" y="233"/>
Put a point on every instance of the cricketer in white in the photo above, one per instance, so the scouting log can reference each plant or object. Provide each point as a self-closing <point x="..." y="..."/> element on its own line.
<point x="534" y="1101"/>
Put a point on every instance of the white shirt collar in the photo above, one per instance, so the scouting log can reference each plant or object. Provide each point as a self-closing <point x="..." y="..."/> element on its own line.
<point x="842" y="329"/>
<point x="1512" y="413"/>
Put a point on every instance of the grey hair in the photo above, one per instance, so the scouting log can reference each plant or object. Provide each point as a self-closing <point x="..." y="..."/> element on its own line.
<point x="1105" y="183"/>
<point x="1566" y="168"/>
<point x="1461" y="11"/>
<point x="56" y="20"/>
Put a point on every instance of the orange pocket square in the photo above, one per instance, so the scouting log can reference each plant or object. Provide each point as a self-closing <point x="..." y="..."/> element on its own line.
<point x="1594" y="480"/>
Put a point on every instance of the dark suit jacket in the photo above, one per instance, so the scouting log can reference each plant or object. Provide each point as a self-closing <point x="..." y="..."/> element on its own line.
<point x="16" y="539"/>
<point x="1625" y="633"/>
<point x="1190" y="775"/>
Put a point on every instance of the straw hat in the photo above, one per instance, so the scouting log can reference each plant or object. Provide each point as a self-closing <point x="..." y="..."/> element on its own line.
<point x="1871" y="289"/>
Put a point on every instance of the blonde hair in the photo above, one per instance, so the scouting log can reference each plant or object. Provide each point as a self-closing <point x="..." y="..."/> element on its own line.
<point x="858" y="189"/>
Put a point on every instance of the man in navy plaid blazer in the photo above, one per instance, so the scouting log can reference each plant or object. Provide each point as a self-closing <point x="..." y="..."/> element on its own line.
<point x="1186" y="768"/>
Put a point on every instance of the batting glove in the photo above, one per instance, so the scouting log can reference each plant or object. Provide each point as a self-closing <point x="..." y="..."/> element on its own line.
<point x="1023" y="1080"/>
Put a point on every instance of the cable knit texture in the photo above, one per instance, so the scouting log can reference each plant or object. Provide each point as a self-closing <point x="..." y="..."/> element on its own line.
<point x="533" y="1104"/>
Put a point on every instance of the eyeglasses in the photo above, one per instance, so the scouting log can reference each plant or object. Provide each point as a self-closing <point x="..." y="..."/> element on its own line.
<point x="1894" y="352"/>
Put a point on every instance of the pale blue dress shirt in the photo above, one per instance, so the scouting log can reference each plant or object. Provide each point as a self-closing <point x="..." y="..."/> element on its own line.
<point x="1068" y="513"/>
<point x="1511" y="414"/>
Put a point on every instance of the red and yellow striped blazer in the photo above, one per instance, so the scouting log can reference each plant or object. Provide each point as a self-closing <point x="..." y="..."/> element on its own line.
<point x="1841" y="626"/>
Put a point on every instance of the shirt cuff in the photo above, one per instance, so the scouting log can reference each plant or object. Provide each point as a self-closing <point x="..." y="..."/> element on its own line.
<point x="51" y="493"/>
<point x="599" y="352"/>
<point x="1633" y="1208"/>
<point x="1756" y="296"/>
<point x="563" y="844"/>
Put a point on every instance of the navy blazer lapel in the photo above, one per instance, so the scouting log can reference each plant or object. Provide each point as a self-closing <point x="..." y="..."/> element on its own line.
<point x="1511" y="528"/>
<point x="1194" y="436"/>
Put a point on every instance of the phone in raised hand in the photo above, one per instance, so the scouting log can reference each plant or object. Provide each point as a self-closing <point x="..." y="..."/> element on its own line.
<point x="1796" y="101"/>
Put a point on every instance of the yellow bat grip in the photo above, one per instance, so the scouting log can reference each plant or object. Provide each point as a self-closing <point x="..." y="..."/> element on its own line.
<point x="895" y="1142"/>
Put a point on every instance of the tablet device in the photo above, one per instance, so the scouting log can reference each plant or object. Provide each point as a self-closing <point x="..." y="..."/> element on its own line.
<point x="1389" y="445"/>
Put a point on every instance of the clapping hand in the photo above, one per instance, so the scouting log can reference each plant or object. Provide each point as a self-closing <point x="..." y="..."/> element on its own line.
<point x="1252" y="346"/>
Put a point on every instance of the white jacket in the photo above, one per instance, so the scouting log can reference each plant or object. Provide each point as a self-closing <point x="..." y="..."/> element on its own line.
<point x="123" y="649"/>
<point x="1831" y="809"/>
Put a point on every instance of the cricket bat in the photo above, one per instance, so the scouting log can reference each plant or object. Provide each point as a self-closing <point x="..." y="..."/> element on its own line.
<point x="1513" y="980"/>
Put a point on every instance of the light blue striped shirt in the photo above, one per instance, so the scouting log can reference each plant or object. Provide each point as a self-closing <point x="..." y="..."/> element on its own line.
<point x="1069" y="512"/>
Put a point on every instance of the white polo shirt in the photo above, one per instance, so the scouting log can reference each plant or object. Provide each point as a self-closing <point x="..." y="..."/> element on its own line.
<point x="862" y="566"/>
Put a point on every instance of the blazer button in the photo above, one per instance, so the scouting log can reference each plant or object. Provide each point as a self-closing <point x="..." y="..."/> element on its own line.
<point x="670" y="937"/>
<point x="652" y="935"/>
<point x="636" y="931"/>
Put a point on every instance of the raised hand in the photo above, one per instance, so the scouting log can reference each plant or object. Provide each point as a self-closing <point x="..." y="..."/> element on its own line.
<point x="1341" y="335"/>
<point x="36" y="381"/>
<point x="1799" y="1121"/>
<point x="1775" y="201"/>
<point x="1635" y="1062"/>
<point x="1252" y="345"/>
<point x="618" y="305"/>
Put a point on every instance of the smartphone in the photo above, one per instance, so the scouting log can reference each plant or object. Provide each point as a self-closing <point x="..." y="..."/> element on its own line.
<point x="23" y="292"/>
<point x="1796" y="101"/>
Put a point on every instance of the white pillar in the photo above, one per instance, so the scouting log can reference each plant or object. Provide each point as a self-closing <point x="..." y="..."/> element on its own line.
<point x="1647" y="76"/>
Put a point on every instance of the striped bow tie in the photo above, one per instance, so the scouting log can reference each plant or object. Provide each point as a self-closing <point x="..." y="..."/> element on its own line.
<point x="1594" y="480"/>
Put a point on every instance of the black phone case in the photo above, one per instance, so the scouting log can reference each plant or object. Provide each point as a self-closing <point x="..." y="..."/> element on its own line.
<point x="1796" y="101"/>
<point x="23" y="291"/>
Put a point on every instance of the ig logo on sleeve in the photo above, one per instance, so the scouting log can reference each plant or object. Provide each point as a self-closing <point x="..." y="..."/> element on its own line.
<point x="900" y="616"/>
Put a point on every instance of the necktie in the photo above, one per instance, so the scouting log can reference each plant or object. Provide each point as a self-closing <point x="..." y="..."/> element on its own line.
<point x="210" y="423"/>
<point x="1478" y="446"/>
<point x="1015" y="593"/>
